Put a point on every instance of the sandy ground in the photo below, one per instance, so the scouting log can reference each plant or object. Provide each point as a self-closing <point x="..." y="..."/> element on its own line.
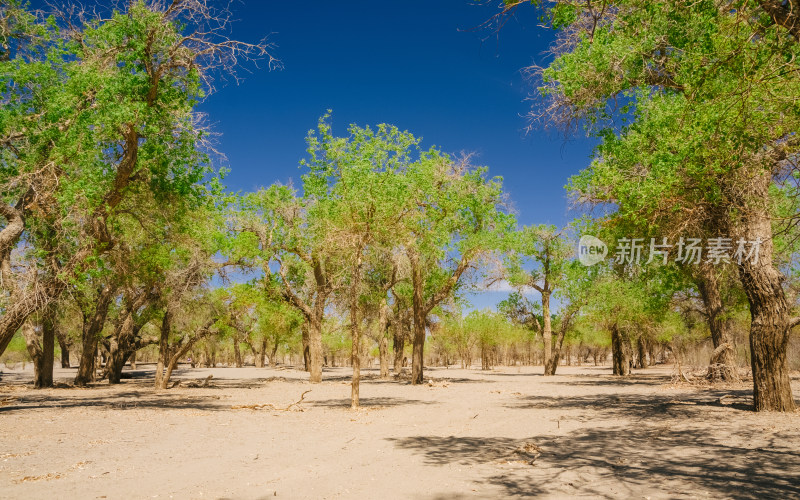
<point x="471" y="434"/>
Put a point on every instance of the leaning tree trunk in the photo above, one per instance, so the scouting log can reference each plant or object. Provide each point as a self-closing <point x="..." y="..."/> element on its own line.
<point x="120" y="347"/>
<point x="566" y="320"/>
<point x="620" y="352"/>
<point x="92" y="326"/>
<point x="551" y="365"/>
<point x="116" y="364"/>
<point x="722" y="365"/>
<point x="770" y="315"/>
<point x="14" y="316"/>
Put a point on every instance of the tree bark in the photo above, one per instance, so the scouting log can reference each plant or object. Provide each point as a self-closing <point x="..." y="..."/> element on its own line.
<point x="398" y="345"/>
<point x="641" y="352"/>
<point x="724" y="360"/>
<point x="620" y="354"/>
<point x="273" y="357"/>
<point x="116" y="364"/>
<point x="64" y="345"/>
<point x="92" y="326"/>
<point x="547" y="331"/>
<point x="237" y="351"/>
<point x="261" y="353"/>
<point x="306" y="343"/>
<point x="383" y="349"/>
<point x="14" y="317"/>
<point x="383" y="338"/>
<point x="566" y="321"/>
<point x="44" y="368"/>
<point x="37" y="349"/>
<point x="419" y="316"/>
<point x="315" y="350"/>
<point x="769" y="312"/>
<point x="163" y="349"/>
<point x="355" y="329"/>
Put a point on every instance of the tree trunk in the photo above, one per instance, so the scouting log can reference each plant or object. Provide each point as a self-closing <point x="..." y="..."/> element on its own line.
<point x="116" y="363"/>
<point x="273" y="361"/>
<point x="383" y="338"/>
<point x="769" y="311"/>
<point x="620" y="354"/>
<point x="237" y="351"/>
<point x="306" y="344"/>
<point x="383" y="348"/>
<point x="723" y="363"/>
<point x="92" y="326"/>
<point x="13" y="318"/>
<point x="64" y="346"/>
<point x="641" y="353"/>
<point x="398" y="346"/>
<point x="355" y="329"/>
<point x="547" y="331"/>
<point x="315" y="351"/>
<point x="163" y="350"/>
<point x="260" y="352"/>
<point x="566" y="320"/>
<point x="45" y="375"/>
<point x="35" y="349"/>
<point x="419" y="316"/>
<point x="551" y="366"/>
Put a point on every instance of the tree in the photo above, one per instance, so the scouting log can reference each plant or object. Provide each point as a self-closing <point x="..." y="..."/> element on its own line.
<point x="576" y="291"/>
<point x="357" y="182"/>
<point x="275" y="231"/>
<point x="454" y="216"/>
<point x="550" y="252"/>
<point x="705" y="128"/>
<point x="97" y="109"/>
<point x="40" y="342"/>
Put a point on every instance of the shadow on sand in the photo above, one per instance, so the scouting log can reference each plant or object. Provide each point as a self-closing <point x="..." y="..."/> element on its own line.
<point x="628" y="461"/>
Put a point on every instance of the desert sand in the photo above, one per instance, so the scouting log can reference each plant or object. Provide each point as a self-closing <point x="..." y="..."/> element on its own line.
<point x="509" y="432"/>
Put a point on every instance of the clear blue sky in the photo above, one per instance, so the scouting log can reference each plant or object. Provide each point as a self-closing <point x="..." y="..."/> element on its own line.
<point x="417" y="64"/>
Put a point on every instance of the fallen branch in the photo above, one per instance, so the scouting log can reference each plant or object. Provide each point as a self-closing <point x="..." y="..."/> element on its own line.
<point x="729" y="399"/>
<point x="200" y="382"/>
<point x="270" y="406"/>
